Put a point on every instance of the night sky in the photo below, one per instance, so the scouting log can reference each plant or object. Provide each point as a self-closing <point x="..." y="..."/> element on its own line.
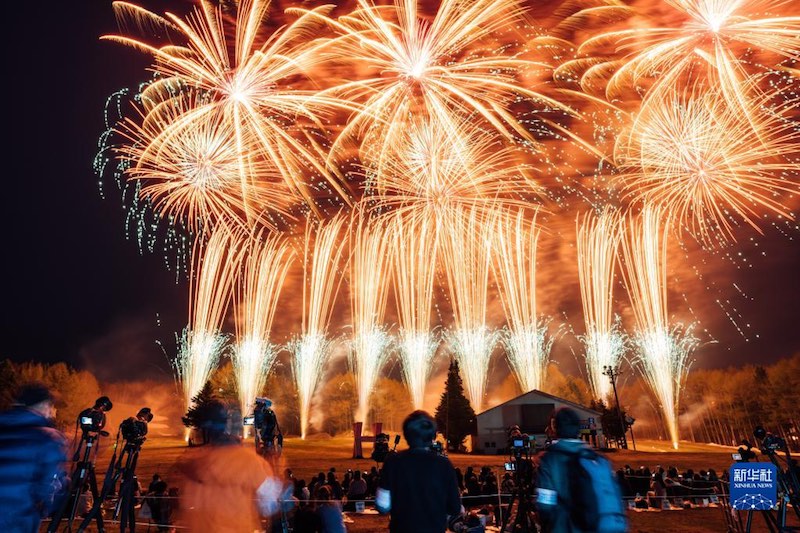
<point x="77" y="290"/>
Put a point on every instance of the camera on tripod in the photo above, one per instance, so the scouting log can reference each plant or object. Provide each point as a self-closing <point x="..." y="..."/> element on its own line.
<point x="134" y="429"/>
<point x="93" y="419"/>
<point x="770" y="443"/>
<point x="519" y="443"/>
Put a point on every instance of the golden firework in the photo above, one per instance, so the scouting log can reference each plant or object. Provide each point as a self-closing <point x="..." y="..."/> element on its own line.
<point x="246" y="83"/>
<point x="697" y="157"/>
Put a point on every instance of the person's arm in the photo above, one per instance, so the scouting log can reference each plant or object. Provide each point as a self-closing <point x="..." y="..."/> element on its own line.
<point x="547" y="493"/>
<point x="52" y="457"/>
<point x="383" y="494"/>
<point x="453" y="495"/>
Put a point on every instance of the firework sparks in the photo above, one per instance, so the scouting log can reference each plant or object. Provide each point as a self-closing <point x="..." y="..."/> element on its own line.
<point x="696" y="156"/>
<point x="527" y="341"/>
<point x="414" y="250"/>
<point x="249" y="87"/>
<point x="437" y="168"/>
<point x="437" y="69"/>
<point x="188" y="169"/>
<point x="664" y="351"/>
<point x="215" y="263"/>
<point x="718" y="34"/>
<point x="265" y="266"/>
<point x="369" y="273"/>
<point x="467" y="254"/>
<point x="323" y="250"/>
<point x="598" y="240"/>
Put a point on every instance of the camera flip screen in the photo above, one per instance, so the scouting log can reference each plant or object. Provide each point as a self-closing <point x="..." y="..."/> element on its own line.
<point x="511" y="467"/>
<point x="87" y="420"/>
<point x="518" y="443"/>
<point x="249" y="420"/>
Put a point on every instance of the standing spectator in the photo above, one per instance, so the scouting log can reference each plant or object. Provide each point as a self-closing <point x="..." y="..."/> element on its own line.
<point x="418" y="486"/>
<point x="372" y="482"/>
<point x="152" y="486"/>
<point x="559" y="499"/>
<point x="32" y="457"/>
<point x="460" y="479"/>
<point x="227" y="487"/>
<point x="160" y="506"/>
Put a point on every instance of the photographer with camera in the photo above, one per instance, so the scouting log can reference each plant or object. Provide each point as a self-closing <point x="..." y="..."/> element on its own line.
<point x="265" y="422"/>
<point x="418" y="486"/>
<point x="32" y="455"/>
<point x="576" y="487"/>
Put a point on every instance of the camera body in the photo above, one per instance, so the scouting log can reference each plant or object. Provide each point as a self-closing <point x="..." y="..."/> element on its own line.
<point x="519" y="443"/>
<point x="134" y="429"/>
<point x="770" y="443"/>
<point x="437" y="448"/>
<point x="92" y="420"/>
<point x="381" y="448"/>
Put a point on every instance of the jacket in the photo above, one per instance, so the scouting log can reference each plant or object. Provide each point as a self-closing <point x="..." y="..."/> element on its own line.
<point x="553" y="501"/>
<point x="32" y="455"/>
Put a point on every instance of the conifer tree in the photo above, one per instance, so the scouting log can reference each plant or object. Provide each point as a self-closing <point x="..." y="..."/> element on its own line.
<point x="455" y="417"/>
<point x="198" y="413"/>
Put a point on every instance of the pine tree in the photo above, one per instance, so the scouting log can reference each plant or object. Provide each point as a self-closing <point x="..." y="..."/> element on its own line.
<point x="455" y="417"/>
<point x="198" y="413"/>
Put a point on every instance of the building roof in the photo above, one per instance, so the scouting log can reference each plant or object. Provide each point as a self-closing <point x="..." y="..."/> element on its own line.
<point x="536" y="392"/>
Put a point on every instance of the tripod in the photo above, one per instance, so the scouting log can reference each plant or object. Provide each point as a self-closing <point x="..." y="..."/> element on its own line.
<point x="523" y="515"/>
<point x="83" y="471"/>
<point x="122" y="470"/>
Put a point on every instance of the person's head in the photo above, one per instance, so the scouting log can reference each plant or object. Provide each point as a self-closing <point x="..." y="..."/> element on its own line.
<point x="357" y="474"/>
<point x="324" y="493"/>
<point x="566" y="423"/>
<point x="160" y="487"/>
<point x="419" y="429"/>
<point x="37" y="397"/>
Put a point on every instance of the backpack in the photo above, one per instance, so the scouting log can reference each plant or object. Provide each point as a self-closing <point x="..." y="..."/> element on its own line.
<point x="596" y="497"/>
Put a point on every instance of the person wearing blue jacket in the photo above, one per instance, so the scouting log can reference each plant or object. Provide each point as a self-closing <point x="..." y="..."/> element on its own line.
<point x="32" y="459"/>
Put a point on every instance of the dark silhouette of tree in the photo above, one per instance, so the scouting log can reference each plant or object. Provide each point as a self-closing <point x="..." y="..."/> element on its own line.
<point x="198" y="414"/>
<point x="455" y="417"/>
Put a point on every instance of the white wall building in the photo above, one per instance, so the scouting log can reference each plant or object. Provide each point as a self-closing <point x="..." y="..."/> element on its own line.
<point x="531" y="412"/>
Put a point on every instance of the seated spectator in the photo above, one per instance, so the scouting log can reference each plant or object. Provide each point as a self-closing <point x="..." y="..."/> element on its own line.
<point x="357" y="491"/>
<point x="329" y="511"/>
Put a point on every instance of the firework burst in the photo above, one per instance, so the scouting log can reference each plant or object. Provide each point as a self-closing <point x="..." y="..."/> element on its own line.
<point x="719" y="36"/>
<point x="324" y="247"/>
<point x="696" y="156"/>
<point x="265" y="265"/>
<point x="664" y="351"/>
<point x="598" y="240"/>
<point x="369" y="284"/>
<point x="246" y="84"/>
<point x="437" y="169"/>
<point x="437" y="68"/>
<point x="415" y="245"/>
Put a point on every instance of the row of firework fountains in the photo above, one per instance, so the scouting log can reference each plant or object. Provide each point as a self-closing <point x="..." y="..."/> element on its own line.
<point x="472" y="247"/>
<point x="395" y="145"/>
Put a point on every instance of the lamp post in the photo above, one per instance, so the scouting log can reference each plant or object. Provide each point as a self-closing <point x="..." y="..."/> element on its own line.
<point x="612" y="374"/>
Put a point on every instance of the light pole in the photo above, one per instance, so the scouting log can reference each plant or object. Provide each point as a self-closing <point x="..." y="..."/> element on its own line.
<point x="612" y="374"/>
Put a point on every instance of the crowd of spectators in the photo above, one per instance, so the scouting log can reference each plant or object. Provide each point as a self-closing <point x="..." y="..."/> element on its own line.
<point x="652" y="488"/>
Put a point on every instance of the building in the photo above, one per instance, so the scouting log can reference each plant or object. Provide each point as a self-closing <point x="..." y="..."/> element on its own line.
<point x="531" y="412"/>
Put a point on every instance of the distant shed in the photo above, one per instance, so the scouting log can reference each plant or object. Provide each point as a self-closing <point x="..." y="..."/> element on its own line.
<point x="531" y="412"/>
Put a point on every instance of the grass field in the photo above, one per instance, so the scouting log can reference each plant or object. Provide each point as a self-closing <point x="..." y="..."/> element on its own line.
<point x="307" y="458"/>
